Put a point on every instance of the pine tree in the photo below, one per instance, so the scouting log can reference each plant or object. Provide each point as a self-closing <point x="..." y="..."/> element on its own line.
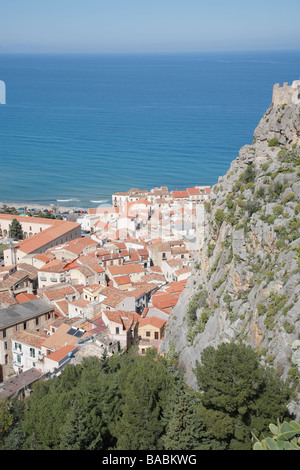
<point x="238" y="395"/>
<point x="74" y="434"/>
<point x="15" y="230"/>
<point x="185" y="430"/>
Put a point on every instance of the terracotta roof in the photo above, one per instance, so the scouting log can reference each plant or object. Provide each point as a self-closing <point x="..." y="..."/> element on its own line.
<point x="80" y="303"/>
<point x="31" y="337"/>
<point x="54" y="266"/>
<point x="94" y="288"/>
<point x="45" y="257"/>
<point x="184" y="270"/>
<point x="114" y="296"/>
<point x="122" y="280"/>
<point x="180" y="194"/>
<point x="63" y="306"/>
<point x="56" y="230"/>
<point x="193" y="191"/>
<point x="154" y="277"/>
<point x="61" y="353"/>
<point x="164" y="301"/>
<point x="7" y="299"/>
<point x="91" y="262"/>
<point x="13" y="279"/>
<point x="162" y="246"/>
<point x="24" y="297"/>
<point x="127" y="319"/>
<point x="58" y="293"/>
<point x="28" y="269"/>
<point x="61" y="338"/>
<point x="77" y="245"/>
<point x="85" y="271"/>
<point x="29" y="220"/>
<point x="125" y="269"/>
<point x="153" y="321"/>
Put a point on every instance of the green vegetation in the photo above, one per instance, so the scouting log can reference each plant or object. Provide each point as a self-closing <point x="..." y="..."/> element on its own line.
<point x="249" y="174"/>
<point x="15" y="230"/>
<point x="130" y="402"/>
<point x="273" y="142"/>
<point x="238" y="395"/>
<point x="219" y="217"/>
<point x="284" y="436"/>
<point x="3" y="247"/>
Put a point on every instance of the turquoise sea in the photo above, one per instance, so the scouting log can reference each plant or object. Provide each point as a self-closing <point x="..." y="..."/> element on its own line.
<point x="77" y="128"/>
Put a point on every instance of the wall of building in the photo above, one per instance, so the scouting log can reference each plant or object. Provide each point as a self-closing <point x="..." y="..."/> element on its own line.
<point x="287" y="94"/>
<point x="6" y="336"/>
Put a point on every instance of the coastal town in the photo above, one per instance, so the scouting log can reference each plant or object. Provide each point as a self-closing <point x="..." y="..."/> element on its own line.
<point x="92" y="283"/>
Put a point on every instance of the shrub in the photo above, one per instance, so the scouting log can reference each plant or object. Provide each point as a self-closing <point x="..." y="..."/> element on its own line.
<point x="252" y="206"/>
<point x="273" y="142"/>
<point x="249" y="174"/>
<point x="289" y="198"/>
<point x="219" y="217"/>
<point x="260" y="192"/>
<point x="278" y="210"/>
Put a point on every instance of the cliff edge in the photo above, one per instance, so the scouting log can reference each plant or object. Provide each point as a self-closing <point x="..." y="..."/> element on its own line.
<point x="245" y="285"/>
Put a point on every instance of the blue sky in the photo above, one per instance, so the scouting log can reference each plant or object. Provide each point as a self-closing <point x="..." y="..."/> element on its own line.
<point x="148" y="25"/>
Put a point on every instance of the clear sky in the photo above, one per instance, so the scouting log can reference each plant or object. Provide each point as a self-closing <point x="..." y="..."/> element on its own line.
<point x="148" y="25"/>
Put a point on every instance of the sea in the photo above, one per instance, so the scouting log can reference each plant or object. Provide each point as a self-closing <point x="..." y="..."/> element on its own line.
<point x="77" y="128"/>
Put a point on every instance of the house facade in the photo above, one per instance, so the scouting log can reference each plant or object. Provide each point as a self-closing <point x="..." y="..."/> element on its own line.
<point x="32" y="315"/>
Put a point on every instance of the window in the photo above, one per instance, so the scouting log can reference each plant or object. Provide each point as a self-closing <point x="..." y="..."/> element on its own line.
<point x="19" y="359"/>
<point x="37" y="320"/>
<point x="148" y="334"/>
<point x="117" y="330"/>
<point x="24" y="325"/>
<point x="32" y="352"/>
<point x="164" y="256"/>
<point x="4" y="334"/>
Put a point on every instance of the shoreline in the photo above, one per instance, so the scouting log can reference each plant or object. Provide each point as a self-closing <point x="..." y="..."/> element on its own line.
<point x="43" y="207"/>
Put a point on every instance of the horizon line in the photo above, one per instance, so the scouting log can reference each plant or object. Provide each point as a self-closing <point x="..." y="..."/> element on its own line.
<point x="154" y="52"/>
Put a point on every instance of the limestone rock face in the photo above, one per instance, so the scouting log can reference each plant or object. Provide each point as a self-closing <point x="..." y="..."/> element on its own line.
<point x="281" y="122"/>
<point x="248" y="282"/>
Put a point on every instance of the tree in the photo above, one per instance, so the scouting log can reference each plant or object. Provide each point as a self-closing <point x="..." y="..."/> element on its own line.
<point x="146" y="387"/>
<point x="238" y="394"/>
<point x="6" y="418"/>
<point x="219" y="217"/>
<point x="249" y="174"/>
<point x="83" y="429"/>
<point x="186" y="430"/>
<point x="15" y="230"/>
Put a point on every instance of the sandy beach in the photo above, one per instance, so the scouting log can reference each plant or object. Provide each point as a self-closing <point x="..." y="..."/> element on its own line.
<point x="42" y="207"/>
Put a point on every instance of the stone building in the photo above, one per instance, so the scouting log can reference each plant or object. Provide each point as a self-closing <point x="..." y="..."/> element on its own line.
<point x="31" y="315"/>
<point x="287" y="94"/>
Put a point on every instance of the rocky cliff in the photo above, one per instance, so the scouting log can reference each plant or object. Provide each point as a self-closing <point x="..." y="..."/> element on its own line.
<point x="246" y="279"/>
